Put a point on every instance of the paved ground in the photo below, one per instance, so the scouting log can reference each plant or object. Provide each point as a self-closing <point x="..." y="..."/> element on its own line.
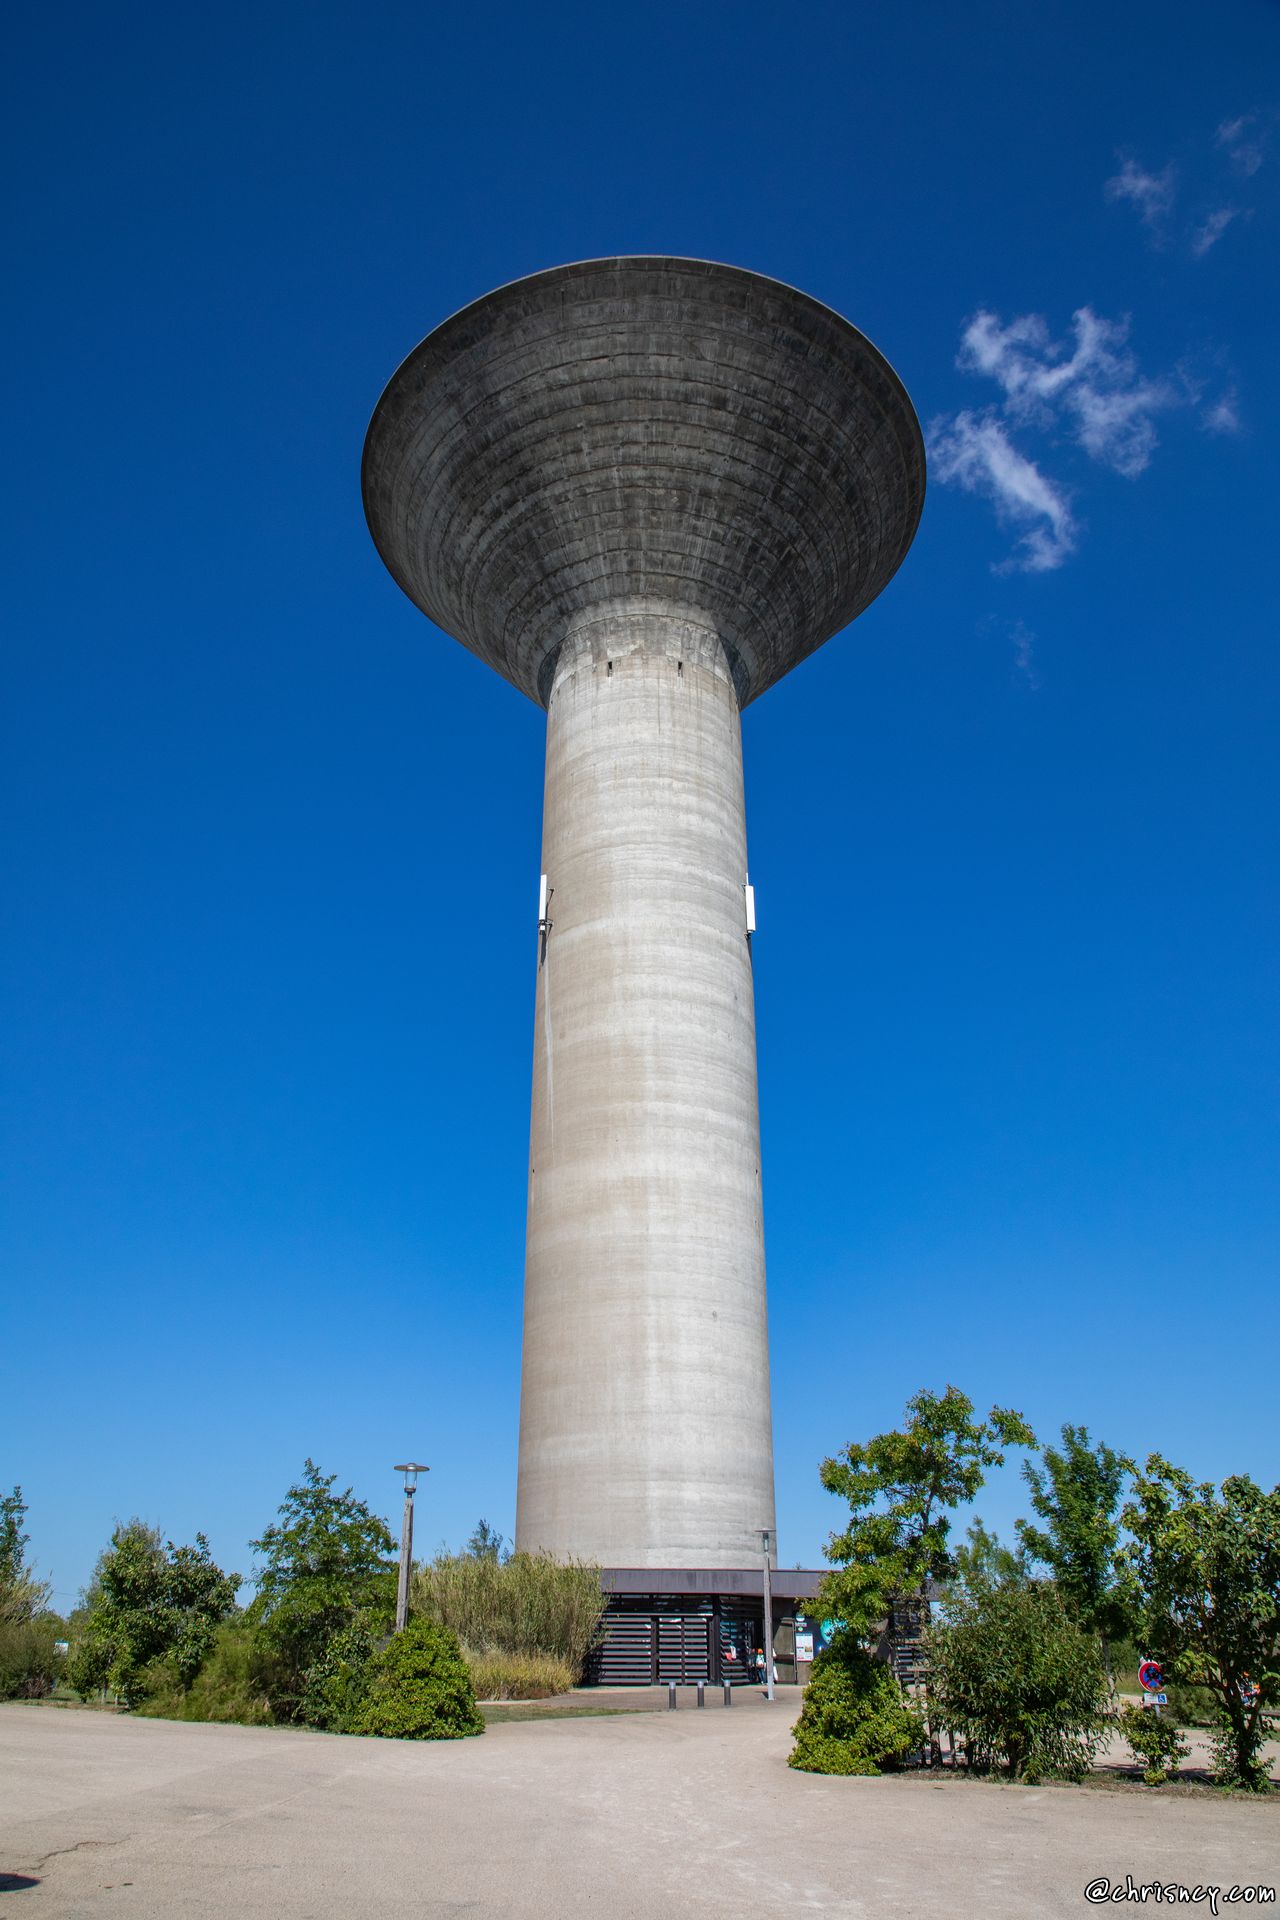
<point x="652" y="1816"/>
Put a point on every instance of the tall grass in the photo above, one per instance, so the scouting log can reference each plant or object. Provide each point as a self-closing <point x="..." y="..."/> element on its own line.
<point x="530" y="1604"/>
<point x="518" y="1676"/>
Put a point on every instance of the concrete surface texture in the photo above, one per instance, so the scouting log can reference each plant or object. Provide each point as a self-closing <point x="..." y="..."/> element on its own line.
<point x="640" y="1817"/>
<point x="644" y="428"/>
<point x="645" y="1433"/>
<point x="642" y="490"/>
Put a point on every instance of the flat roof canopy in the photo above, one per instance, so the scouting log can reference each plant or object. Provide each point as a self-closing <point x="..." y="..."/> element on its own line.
<point x="786" y="1583"/>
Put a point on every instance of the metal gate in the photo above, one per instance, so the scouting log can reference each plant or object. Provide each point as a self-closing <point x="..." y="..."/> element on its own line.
<point x="624" y="1657"/>
<point x="684" y="1646"/>
<point x="641" y="1648"/>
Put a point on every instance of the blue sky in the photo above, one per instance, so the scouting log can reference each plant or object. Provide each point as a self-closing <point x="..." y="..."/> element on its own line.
<point x="271" y="845"/>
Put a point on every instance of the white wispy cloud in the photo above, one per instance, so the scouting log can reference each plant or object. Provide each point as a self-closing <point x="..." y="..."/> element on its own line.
<point x="1151" y="193"/>
<point x="1211" y="230"/>
<point x="1154" y="193"/>
<point x="1243" y="142"/>
<point x="1021" y="641"/>
<point x="1024" y="643"/>
<point x="1091" y="386"/>
<point x="1086" y="387"/>
<point x="973" y="451"/>
<point x="1223" y="414"/>
<point x="1209" y="388"/>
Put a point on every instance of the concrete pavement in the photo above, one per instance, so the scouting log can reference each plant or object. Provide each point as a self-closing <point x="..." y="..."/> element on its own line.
<point x="640" y="1817"/>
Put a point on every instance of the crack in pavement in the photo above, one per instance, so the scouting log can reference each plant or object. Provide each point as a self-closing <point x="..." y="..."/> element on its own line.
<point x="45" y="1858"/>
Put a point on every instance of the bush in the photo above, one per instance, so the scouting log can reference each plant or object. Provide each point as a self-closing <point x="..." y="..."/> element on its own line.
<point x="1154" y="1741"/>
<point x="1013" y="1673"/>
<point x="29" y="1667"/>
<point x="228" y="1688"/>
<point x="518" y="1676"/>
<point x="529" y="1604"/>
<point x="1247" y="1773"/>
<point x="419" y="1688"/>
<point x="855" y="1719"/>
<point x="336" y="1687"/>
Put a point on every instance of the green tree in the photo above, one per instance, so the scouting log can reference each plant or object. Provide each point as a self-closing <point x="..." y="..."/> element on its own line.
<point x="1204" y="1573"/>
<point x="1012" y="1671"/>
<point x="902" y="1488"/>
<point x="983" y="1560"/>
<point x="148" y="1601"/>
<point x="22" y="1596"/>
<point x="13" y="1541"/>
<point x="854" y="1719"/>
<point x="1077" y="1494"/>
<point x="485" y="1543"/>
<point x="29" y="1665"/>
<point x="327" y="1564"/>
<point x="419" y="1688"/>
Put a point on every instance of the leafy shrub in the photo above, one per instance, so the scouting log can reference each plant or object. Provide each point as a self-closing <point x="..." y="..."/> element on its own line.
<point x="1153" y="1740"/>
<point x="29" y="1667"/>
<point x="228" y="1687"/>
<point x="336" y="1688"/>
<point x="529" y="1604"/>
<point x="419" y="1688"/>
<point x="854" y="1719"/>
<point x="1247" y="1772"/>
<point x="1013" y="1672"/>
<point x="518" y="1676"/>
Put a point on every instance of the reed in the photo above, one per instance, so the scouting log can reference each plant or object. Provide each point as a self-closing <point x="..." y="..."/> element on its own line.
<point x="530" y="1605"/>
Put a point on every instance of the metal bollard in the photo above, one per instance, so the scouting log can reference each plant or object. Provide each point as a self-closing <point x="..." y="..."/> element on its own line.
<point x="702" y="1693"/>
<point x="728" y="1694"/>
<point x="671" y="1696"/>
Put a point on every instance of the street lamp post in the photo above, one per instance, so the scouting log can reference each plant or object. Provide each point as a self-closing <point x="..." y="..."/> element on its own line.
<point x="410" y="1469"/>
<point x="768" y="1616"/>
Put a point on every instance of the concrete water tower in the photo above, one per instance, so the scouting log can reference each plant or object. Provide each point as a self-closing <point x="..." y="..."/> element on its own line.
<point x="642" y="490"/>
